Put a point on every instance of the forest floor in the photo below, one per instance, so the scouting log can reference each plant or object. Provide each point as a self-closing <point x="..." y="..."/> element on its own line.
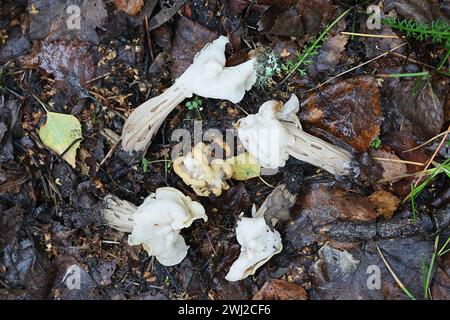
<point x="373" y="87"/>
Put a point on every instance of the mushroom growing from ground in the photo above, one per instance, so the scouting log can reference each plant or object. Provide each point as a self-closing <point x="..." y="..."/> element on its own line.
<point x="257" y="237"/>
<point x="206" y="77"/>
<point x="202" y="176"/>
<point x="275" y="132"/>
<point x="156" y="224"/>
<point x="258" y="245"/>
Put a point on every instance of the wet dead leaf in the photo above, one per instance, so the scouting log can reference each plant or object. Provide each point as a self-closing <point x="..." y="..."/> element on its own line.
<point x="165" y="15"/>
<point x="320" y="200"/>
<point x="349" y="109"/>
<point x="391" y="169"/>
<point x="440" y="289"/>
<point x="281" y="22"/>
<point x="329" y="55"/>
<point x="419" y="10"/>
<point x="384" y="202"/>
<point x="55" y="20"/>
<point x="10" y="222"/>
<point x="68" y="274"/>
<point x="418" y="107"/>
<point x="190" y="38"/>
<point x="281" y="290"/>
<point x="315" y="14"/>
<point x="307" y="18"/>
<point x="332" y="280"/>
<point x="70" y="63"/>
<point x="131" y="7"/>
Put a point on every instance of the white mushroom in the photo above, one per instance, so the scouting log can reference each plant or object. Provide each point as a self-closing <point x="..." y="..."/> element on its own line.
<point x="156" y="224"/>
<point x="207" y="77"/>
<point x="258" y="245"/>
<point x="202" y="176"/>
<point x="275" y="132"/>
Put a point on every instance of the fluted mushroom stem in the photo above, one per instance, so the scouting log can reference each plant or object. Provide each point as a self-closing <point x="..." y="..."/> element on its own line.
<point x="319" y="153"/>
<point x="145" y="120"/>
<point x="119" y="213"/>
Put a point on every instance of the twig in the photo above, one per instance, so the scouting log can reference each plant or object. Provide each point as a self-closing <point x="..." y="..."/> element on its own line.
<point x="266" y="183"/>
<point x="370" y="35"/>
<point x="110" y="152"/>
<point x="99" y="77"/>
<point x="399" y="161"/>
<point x="149" y="40"/>
<point x="427" y="142"/>
<point x="400" y="284"/>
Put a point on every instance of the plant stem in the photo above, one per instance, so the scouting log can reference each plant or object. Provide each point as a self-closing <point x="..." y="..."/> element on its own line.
<point x="314" y="45"/>
<point x="443" y="61"/>
<point x="441" y="252"/>
<point x="430" y="269"/>
<point x="404" y="75"/>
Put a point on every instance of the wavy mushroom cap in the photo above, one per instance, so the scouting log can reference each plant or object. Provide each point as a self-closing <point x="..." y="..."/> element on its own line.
<point x="202" y="176"/>
<point x="264" y="136"/>
<point x="158" y="221"/>
<point x="258" y="245"/>
<point x="208" y="77"/>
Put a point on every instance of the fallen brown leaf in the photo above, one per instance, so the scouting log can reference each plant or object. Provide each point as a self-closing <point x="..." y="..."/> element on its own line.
<point x="349" y="109"/>
<point x="281" y="290"/>
<point x="131" y="7"/>
<point x="384" y="202"/>
<point x="190" y="38"/>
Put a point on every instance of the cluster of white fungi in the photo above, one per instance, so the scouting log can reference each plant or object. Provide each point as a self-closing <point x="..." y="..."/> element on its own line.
<point x="270" y="136"/>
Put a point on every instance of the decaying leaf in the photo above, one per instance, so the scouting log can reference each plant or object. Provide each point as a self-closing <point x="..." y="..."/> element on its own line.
<point x="275" y="289"/>
<point x="10" y="222"/>
<point x="165" y="15"/>
<point x="59" y="132"/>
<point x="56" y="20"/>
<point x="131" y="7"/>
<point x="316" y="13"/>
<point x="307" y="18"/>
<point x="344" y="275"/>
<point x="244" y="167"/>
<point x="418" y="107"/>
<point x="391" y="169"/>
<point x="329" y="55"/>
<point x="281" y="22"/>
<point x="384" y="202"/>
<point x="349" y="109"/>
<point x="420" y="10"/>
<point x="321" y="200"/>
<point x="190" y="38"/>
<point x="441" y="284"/>
<point x="70" y="63"/>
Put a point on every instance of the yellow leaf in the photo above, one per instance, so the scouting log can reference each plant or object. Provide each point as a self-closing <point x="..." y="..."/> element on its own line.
<point x="59" y="132"/>
<point x="244" y="167"/>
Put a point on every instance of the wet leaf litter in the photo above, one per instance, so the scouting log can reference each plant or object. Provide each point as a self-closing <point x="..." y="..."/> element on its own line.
<point x="361" y="177"/>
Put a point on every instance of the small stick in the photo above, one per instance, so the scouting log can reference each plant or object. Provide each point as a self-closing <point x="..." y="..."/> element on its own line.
<point x="399" y="161"/>
<point x="400" y="284"/>
<point x="149" y="40"/>
<point x="110" y="152"/>
<point x="99" y="77"/>
<point x="399" y="55"/>
<point x="427" y="142"/>
<point x="371" y="35"/>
